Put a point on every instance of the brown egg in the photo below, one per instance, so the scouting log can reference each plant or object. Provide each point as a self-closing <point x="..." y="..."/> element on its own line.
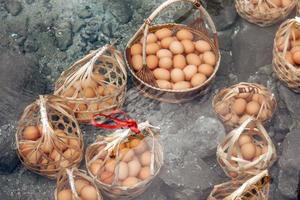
<point x="234" y="119"/>
<point x="176" y="47"/>
<point x="163" y="84"/>
<point x="193" y="59"/>
<point x="89" y="83"/>
<point x="258" y="151"/>
<point x="95" y="166"/>
<point x="163" y="33"/>
<point x="177" y="75"/>
<point x="109" y="89"/>
<point x="289" y="58"/>
<point x="244" y="139"/>
<point x="189" y="71"/>
<point x="264" y="149"/>
<point x="296" y="57"/>
<point x="233" y="174"/>
<point x="134" y="168"/>
<point x="258" y="98"/>
<point x="98" y="77"/>
<point x="144" y="173"/>
<point x="122" y="170"/>
<point x="80" y="183"/>
<point x="31" y="133"/>
<point x="222" y="108"/>
<point x="107" y="177"/>
<point x="136" y="49"/>
<point x="198" y="79"/>
<point x="281" y="44"/>
<point x="294" y="49"/>
<point x="141" y="147"/>
<point x="254" y="2"/>
<point x="295" y="43"/>
<point x="152" y="61"/>
<point x="248" y="151"/>
<point x="206" y="69"/>
<point x="276" y="3"/>
<point x="89" y="192"/>
<point x="184" y="34"/>
<point x="145" y="158"/>
<point x="151" y="38"/>
<point x="82" y="107"/>
<point x="209" y="58"/>
<point x="134" y="143"/>
<point x="130" y="182"/>
<point x="128" y="155"/>
<point x="65" y="194"/>
<point x="34" y="157"/>
<point x="69" y="92"/>
<point x="161" y="74"/>
<point x="239" y="106"/>
<point x="188" y="46"/>
<point x="71" y="154"/>
<point x="252" y="108"/>
<point x="137" y="62"/>
<point x="202" y="46"/>
<point x="164" y="53"/>
<point x="110" y="165"/>
<point x="26" y="148"/>
<point x="152" y="48"/>
<point x="89" y="92"/>
<point x="165" y="43"/>
<point x="47" y="146"/>
<point x="179" y="61"/>
<point x="182" y="85"/>
<point x="165" y="63"/>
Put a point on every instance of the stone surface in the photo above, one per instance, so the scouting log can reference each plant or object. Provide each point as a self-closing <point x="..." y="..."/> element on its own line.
<point x="14" y="7"/>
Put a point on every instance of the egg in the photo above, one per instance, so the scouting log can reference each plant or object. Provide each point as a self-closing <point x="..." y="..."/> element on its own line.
<point x="234" y="119"/>
<point x="151" y="38"/>
<point x="134" y="143"/>
<point x="89" y="83"/>
<point x="134" y="168"/>
<point x="258" y="98"/>
<point x="122" y="170"/>
<point x="136" y="49"/>
<point x="163" y="53"/>
<point x="202" y="46"/>
<point x="179" y="61"/>
<point x="128" y="156"/>
<point x="254" y="2"/>
<point x="182" y="85"/>
<point x="184" y="34"/>
<point x="65" y="194"/>
<point x="294" y="49"/>
<point x="188" y="46"/>
<point x="209" y="58"/>
<point x="110" y="165"/>
<point x="152" y="48"/>
<point x="89" y="92"/>
<point x="141" y="147"/>
<point x="198" y="79"/>
<point x="222" y="108"/>
<point x="95" y="166"/>
<point x="165" y="43"/>
<point x="276" y="3"/>
<point x="137" y="62"/>
<point x="296" y="57"/>
<point x="252" y="108"/>
<point x="176" y="47"/>
<point x="295" y="43"/>
<point x="34" y="157"/>
<point x="145" y="173"/>
<point x="69" y="92"/>
<point x="193" y="59"/>
<point x="98" y="77"/>
<point x="161" y="74"/>
<point x="206" y="69"/>
<point x="289" y="57"/>
<point x="145" y="158"/>
<point x="62" y="141"/>
<point x="82" y="107"/>
<point x="264" y="149"/>
<point x="177" y="75"/>
<point x="239" y="106"/>
<point x="130" y="182"/>
<point x="71" y="154"/>
<point x="79" y="184"/>
<point x="89" y="192"/>
<point x="163" y="84"/>
<point x="165" y="63"/>
<point x="189" y="71"/>
<point x="152" y="61"/>
<point x="26" y="148"/>
<point x="244" y="139"/>
<point x="258" y="151"/>
<point x="163" y="33"/>
<point x="233" y="174"/>
<point x="107" y="177"/>
<point x="248" y="151"/>
<point x="31" y="133"/>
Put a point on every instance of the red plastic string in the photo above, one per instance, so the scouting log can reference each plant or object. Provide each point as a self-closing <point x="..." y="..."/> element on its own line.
<point x="119" y="123"/>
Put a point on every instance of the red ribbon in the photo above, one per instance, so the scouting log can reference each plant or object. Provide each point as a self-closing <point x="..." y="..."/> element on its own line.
<point x="119" y="123"/>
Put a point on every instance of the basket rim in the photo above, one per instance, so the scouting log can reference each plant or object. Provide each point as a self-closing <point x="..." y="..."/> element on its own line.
<point x="212" y="76"/>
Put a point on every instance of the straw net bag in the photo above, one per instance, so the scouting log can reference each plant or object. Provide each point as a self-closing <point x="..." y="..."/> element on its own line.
<point x="247" y="187"/>
<point x="77" y="185"/>
<point x="264" y="12"/>
<point x="146" y="76"/>
<point x="48" y="137"/>
<point x="94" y="84"/>
<point x="124" y="163"/>
<point x="286" y="54"/>
<point x="246" y="150"/>
<point x="235" y="104"/>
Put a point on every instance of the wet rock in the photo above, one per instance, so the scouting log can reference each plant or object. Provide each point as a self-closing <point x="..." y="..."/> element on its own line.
<point x="120" y="10"/>
<point x="288" y="183"/>
<point x="64" y="35"/>
<point x="226" y="17"/>
<point x="30" y="45"/>
<point x="85" y="13"/>
<point x="288" y="97"/>
<point x="14" y="7"/>
<point x="78" y="25"/>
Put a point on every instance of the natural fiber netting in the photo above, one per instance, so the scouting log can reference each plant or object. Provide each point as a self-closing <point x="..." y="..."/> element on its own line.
<point x="174" y="62"/>
<point x="124" y="163"/>
<point x="246" y="150"/>
<point x="286" y="53"/>
<point x="95" y="84"/>
<point x="264" y="12"/>
<point x="235" y="104"/>
<point x="243" y="188"/>
<point x="75" y="184"/>
<point x="48" y="137"/>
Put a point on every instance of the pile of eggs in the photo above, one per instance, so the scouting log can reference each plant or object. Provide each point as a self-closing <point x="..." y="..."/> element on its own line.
<point x="130" y="162"/>
<point x="48" y="154"/>
<point x="266" y="5"/>
<point x="178" y="61"/>
<point x="85" y="190"/>
<point x="292" y="55"/>
<point x="237" y="109"/>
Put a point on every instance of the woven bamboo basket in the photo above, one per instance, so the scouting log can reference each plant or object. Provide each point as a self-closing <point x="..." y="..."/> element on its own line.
<point x="48" y="137"/>
<point x="254" y="188"/>
<point x="72" y="183"/>
<point x="95" y="84"/>
<point x="224" y="103"/>
<point x="108" y="158"/>
<point x="264" y="12"/>
<point x="286" y="44"/>
<point x="246" y="150"/>
<point x="202" y="28"/>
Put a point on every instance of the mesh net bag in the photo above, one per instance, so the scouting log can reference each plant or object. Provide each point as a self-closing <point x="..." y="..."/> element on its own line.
<point x="95" y="84"/>
<point x="75" y="184"/>
<point x="264" y="12"/>
<point x="48" y="137"/>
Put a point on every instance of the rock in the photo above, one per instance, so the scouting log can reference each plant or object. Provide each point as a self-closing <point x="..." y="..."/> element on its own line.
<point x="288" y="183"/>
<point x="14" y="7"/>
<point x="120" y="10"/>
<point x="29" y="1"/>
<point x="85" y="13"/>
<point x="30" y="45"/>
<point x="289" y="97"/>
<point x="64" y="35"/>
<point x="78" y="25"/>
<point x="226" y="17"/>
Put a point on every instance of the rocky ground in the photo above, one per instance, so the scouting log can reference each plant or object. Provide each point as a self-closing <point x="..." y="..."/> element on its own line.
<point x="41" y="38"/>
